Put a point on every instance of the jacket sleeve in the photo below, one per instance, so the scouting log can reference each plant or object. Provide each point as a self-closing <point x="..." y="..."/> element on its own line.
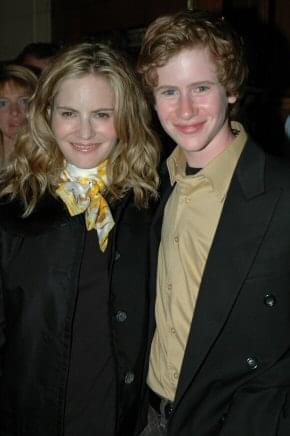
<point x="262" y="406"/>
<point x="2" y="323"/>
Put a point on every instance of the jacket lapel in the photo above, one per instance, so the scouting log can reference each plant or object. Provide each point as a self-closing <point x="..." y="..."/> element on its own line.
<point x="244" y="221"/>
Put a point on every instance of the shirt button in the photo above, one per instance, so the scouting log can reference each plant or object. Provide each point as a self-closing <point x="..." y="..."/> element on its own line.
<point x="173" y="331"/>
<point x="252" y="362"/>
<point x="269" y="300"/>
<point x="175" y="375"/>
<point x="129" y="378"/>
<point x="176" y="239"/>
<point x="169" y="287"/>
<point x="121" y="316"/>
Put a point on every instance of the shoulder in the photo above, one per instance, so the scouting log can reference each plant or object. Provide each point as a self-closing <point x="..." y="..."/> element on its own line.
<point x="256" y="163"/>
<point x="48" y="213"/>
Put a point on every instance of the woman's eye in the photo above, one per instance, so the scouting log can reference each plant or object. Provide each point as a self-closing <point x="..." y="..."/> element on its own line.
<point x="67" y="114"/>
<point x="23" y="101"/>
<point x="3" y="103"/>
<point x="102" y="115"/>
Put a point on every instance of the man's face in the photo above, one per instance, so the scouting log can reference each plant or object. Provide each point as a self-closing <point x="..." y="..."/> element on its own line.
<point x="33" y="61"/>
<point x="192" y="105"/>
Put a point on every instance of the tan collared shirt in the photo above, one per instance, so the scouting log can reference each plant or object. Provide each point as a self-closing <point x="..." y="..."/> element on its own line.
<point x="190" y="221"/>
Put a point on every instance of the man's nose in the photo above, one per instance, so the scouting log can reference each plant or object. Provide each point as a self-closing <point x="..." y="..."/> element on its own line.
<point x="186" y="107"/>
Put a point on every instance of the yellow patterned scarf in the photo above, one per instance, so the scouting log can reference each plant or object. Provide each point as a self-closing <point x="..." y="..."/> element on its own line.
<point x="81" y="190"/>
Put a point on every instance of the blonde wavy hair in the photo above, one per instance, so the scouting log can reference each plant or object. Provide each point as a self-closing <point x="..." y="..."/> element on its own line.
<point x="38" y="161"/>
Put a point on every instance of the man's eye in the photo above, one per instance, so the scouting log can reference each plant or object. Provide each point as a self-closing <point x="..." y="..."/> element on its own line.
<point x="202" y="88"/>
<point x="168" y="92"/>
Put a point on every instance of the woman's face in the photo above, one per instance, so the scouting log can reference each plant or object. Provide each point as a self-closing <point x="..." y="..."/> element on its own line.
<point x="13" y="107"/>
<point x="83" y="120"/>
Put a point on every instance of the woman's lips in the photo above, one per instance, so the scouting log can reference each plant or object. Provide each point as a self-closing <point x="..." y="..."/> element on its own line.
<point x="85" y="148"/>
<point x="15" y="125"/>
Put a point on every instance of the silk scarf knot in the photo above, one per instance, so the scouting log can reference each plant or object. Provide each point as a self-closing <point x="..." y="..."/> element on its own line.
<point x="82" y="192"/>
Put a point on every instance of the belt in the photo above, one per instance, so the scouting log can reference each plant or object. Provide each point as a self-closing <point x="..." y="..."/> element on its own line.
<point x="156" y="401"/>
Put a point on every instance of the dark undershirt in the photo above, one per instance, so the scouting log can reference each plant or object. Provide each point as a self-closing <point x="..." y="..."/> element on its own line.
<point x="191" y="171"/>
<point x="91" y="392"/>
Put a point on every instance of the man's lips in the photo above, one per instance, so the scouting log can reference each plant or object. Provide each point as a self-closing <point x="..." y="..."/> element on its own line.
<point x="189" y="128"/>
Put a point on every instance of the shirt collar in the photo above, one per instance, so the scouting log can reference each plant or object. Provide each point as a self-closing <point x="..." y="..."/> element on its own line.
<point x="219" y="171"/>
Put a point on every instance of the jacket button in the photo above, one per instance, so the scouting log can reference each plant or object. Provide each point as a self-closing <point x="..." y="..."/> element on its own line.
<point x="270" y="300"/>
<point x="252" y="363"/>
<point x="117" y="255"/>
<point x="121" y="316"/>
<point x="168" y="410"/>
<point x="129" y="378"/>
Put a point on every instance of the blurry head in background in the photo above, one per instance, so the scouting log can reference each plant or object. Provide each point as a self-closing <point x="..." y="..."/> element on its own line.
<point x="17" y="84"/>
<point x="37" y="55"/>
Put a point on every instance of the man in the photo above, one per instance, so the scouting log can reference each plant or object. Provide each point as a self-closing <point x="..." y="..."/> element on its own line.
<point x="37" y="55"/>
<point x="219" y="362"/>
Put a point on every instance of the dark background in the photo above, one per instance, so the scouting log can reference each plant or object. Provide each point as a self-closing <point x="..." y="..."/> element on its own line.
<point x="264" y="24"/>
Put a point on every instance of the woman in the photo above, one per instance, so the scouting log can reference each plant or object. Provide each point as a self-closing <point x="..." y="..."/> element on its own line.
<point x="17" y="84"/>
<point x="74" y="223"/>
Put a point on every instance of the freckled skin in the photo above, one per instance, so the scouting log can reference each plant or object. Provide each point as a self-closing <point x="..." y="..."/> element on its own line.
<point x="192" y="105"/>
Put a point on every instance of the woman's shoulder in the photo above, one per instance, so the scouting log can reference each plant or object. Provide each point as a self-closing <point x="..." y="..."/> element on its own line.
<point x="49" y="212"/>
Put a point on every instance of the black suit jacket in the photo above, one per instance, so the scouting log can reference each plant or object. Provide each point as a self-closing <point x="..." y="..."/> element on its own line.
<point x="235" y="377"/>
<point x="40" y="259"/>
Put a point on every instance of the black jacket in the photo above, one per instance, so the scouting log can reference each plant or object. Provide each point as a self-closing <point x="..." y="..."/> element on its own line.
<point x="40" y="260"/>
<point x="235" y="376"/>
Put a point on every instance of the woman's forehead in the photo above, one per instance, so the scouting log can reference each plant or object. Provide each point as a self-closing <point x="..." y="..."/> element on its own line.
<point x="13" y="86"/>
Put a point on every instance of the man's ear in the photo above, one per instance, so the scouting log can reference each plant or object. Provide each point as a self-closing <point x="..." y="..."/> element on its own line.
<point x="232" y="99"/>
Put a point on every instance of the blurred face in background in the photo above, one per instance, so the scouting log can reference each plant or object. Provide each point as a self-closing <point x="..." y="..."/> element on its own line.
<point x="13" y="107"/>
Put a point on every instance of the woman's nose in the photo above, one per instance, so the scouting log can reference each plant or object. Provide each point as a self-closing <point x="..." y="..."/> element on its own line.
<point x="86" y="131"/>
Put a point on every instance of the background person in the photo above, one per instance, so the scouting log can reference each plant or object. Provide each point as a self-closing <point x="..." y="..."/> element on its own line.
<point x="74" y="223"/>
<point x="37" y="55"/>
<point x="17" y="84"/>
<point x="220" y="355"/>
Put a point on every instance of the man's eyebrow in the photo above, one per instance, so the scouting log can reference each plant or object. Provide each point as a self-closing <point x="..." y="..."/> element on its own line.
<point x="198" y="83"/>
<point x="158" y="88"/>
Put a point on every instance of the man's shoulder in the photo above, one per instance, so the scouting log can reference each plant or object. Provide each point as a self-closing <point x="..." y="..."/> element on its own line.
<point x="277" y="170"/>
<point x="274" y="169"/>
